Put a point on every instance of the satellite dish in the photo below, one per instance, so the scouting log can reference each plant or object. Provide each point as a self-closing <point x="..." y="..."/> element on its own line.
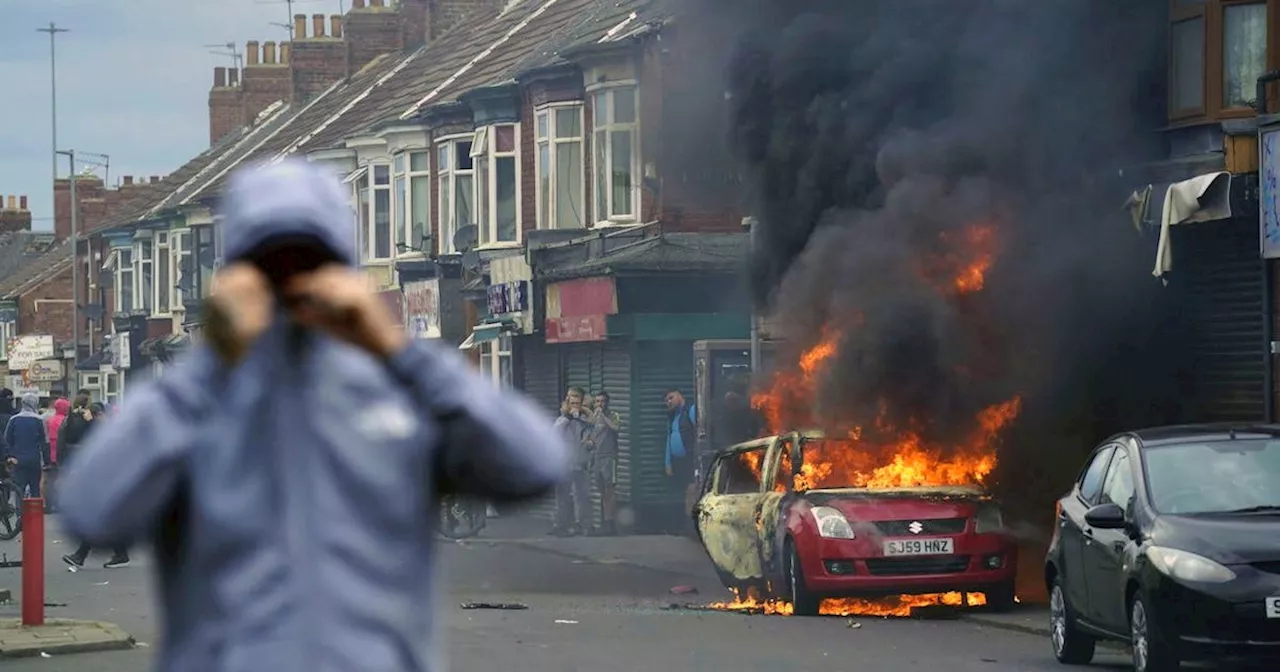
<point x="465" y="238"/>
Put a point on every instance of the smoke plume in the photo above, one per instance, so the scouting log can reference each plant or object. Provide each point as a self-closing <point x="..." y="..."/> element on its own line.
<point x="880" y="139"/>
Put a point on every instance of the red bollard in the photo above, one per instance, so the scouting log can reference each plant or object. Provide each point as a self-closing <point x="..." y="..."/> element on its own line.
<point x="33" y="561"/>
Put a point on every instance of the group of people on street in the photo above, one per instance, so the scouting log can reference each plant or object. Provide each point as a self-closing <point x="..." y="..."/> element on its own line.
<point x="591" y="430"/>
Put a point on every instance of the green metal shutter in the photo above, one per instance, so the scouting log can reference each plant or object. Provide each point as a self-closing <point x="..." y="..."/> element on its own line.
<point x="578" y="359"/>
<point x="658" y="366"/>
<point x="615" y="378"/>
<point x="1222" y="278"/>
<point x="540" y="380"/>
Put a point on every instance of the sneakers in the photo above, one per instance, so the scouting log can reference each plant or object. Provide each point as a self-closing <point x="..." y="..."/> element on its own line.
<point x="116" y="562"/>
<point x="73" y="561"/>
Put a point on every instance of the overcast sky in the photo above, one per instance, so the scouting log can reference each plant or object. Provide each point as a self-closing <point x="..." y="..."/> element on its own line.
<point x="133" y="82"/>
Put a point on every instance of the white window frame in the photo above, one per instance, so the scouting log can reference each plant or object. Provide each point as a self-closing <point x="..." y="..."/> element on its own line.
<point x="126" y="273"/>
<point x="495" y="360"/>
<point x="161" y="249"/>
<point x="602" y="146"/>
<point x="404" y="178"/>
<point x="144" y="266"/>
<point x="447" y="173"/>
<point x="369" y="227"/>
<point x="484" y="155"/>
<point x="547" y="137"/>
<point x="8" y="330"/>
<point x="112" y="379"/>
<point x="180" y="242"/>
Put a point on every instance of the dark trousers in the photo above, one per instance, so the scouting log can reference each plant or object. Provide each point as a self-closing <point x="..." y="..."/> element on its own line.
<point x="573" y="500"/>
<point x="27" y="476"/>
<point x="84" y="550"/>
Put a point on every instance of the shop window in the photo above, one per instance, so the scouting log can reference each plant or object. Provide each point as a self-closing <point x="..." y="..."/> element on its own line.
<point x="495" y="360"/>
<point x="494" y="152"/>
<point x="1217" y="51"/>
<point x="559" y="170"/>
<point x="456" y="193"/>
<point x="616" y="151"/>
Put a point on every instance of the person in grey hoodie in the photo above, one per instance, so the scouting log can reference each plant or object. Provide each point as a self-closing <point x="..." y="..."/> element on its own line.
<point x="260" y="465"/>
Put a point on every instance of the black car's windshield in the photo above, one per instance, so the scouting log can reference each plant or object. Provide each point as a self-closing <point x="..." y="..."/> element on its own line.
<point x="1233" y="476"/>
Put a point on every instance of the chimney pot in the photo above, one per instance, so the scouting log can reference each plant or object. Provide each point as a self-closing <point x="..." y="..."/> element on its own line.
<point x="219" y="78"/>
<point x="317" y="24"/>
<point x="233" y="77"/>
<point x="128" y="180"/>
<point x="357" y="4"/>
<point x="299" y="26"/>
<point x="155" y="179"/>
<point x="285" y="49"/>
<point x="268" y="53"/>
<point x="335" y="25"/>
<point x="251" y="52"/>
<point x="22" y="203"/>
<point x="13" y="202"/>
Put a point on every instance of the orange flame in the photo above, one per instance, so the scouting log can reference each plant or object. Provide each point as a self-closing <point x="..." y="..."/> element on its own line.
<point x="897" y="606"/>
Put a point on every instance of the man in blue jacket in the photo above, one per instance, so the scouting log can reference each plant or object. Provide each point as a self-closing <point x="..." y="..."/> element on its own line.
<point x="28" y="440"/>
<point x="289" y="468"/>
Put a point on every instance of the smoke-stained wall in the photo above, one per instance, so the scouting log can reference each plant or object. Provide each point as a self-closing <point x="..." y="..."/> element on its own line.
<point x="879" y="138"/>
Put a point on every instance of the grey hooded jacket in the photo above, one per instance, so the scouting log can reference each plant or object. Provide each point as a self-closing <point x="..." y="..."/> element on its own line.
<point x="292" y="499"/>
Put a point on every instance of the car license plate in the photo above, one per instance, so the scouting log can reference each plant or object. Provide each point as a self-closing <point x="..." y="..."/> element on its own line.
<point x="896" y="547"/>
<point x="1273" y="607"/>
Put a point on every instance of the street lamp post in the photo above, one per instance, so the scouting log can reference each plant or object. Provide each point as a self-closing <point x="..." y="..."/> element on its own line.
<point x="75" y="263"/>
<point x="53" y="31"/>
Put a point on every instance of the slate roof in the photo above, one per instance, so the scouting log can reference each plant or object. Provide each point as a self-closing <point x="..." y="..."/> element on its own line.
<point x="35" y="269"/>
<point x="19" y="250"/>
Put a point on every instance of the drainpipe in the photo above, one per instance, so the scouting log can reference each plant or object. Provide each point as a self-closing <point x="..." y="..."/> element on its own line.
<point x="750" y="224"/>
<point x="1268" y="279"/>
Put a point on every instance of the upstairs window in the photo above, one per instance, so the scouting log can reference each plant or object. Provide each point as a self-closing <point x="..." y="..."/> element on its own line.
<point x="456" y="173"/>
<point x="494" y="151"/>
<point x="616" y="152"/>
<point x="182" y="268"/>
<point x="376" y="234"/>
<point x="124" y="281"/>
<point x="164" y="274"/>
<point x="412" y="188"/>
<point x="1217" y="51"/>
<point x="144" y="280"/>
<point x="559" y="169"/>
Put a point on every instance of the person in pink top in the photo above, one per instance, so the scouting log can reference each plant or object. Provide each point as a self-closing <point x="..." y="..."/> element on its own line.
<point x="52" y="424"/>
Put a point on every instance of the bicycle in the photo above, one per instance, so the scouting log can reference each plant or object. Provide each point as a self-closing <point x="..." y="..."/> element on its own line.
<point x="462" y="517"/>
<point x="10" y="501"/>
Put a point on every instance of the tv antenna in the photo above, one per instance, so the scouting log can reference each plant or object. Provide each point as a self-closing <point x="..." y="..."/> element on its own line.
<point x="237" y="59"/>
<point x="288" y="4"/>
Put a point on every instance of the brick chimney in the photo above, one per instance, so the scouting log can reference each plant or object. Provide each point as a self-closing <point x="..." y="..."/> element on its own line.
<point x="14" y="215"/>
<point x="264" y="80"/>
<point x="317" y="61"/>
<point x="442" y="15"/>
<point x="224" y="104"/>
<point x="370" y="31"/>
<point x="89" y="191"/>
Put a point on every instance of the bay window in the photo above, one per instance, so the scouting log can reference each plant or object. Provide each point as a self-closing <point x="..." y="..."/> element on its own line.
<point x="181" y="243"/>
<point x="1217" y="51"/>
<point x="205" y="259"/>
<point x="497" y="175"/>
<point x="164" y="275"/>
<point x="376" y="234"/>
<point x="124" y="281"/>
<point x="495" y="360"/>
<point x="456" y="173"/>
<point x="412" y="188"/>
<point x="560" y="178"/>
<point x="144" y="276"/>
<point x="617" y="157"/>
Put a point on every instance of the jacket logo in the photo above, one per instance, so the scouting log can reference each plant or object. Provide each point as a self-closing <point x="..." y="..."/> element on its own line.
<point x="387" y="421"/>
<point x="915" y="527"/>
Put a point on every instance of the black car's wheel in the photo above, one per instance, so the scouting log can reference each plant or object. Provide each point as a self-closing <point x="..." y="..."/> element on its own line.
<point x="804" y="602"/>
<point x="1153" y="648"/>
<point x="1002" y="598"/>
<point x="1070" y="645"/>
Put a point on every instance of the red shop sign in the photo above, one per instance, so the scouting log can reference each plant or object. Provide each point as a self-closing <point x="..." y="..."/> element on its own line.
<point x="579" y="329"/>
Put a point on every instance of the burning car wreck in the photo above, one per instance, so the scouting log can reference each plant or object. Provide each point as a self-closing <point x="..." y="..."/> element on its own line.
<point x="773" y="526"/>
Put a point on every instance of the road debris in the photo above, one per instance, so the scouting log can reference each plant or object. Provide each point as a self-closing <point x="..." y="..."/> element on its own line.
<point x="565" y="622"/>
<point x="503" y="606"/>
<point x="853" y="625"/>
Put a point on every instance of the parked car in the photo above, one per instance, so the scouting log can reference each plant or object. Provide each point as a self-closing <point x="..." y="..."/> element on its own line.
<point x="1170" y="540"/>
<point x="762" y="533"/>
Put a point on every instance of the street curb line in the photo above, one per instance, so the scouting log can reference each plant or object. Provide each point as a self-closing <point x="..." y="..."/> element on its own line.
<point x="109" y="637"/>
<point x="535" y="546"/>
<point x="1036" y="630"/>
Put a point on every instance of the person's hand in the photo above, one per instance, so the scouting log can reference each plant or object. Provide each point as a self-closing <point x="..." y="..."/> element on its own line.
<point x="86" y="414"/>
<point x="337" y="300"/>
<point x="240" y="310"/>
<point x="670" y="472"/>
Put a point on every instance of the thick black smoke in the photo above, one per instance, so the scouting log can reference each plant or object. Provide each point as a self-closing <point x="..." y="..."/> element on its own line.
<point x="875" y="134"/>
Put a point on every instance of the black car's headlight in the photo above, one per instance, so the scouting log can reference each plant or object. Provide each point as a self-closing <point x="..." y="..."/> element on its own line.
<point x="1185" y="566"/>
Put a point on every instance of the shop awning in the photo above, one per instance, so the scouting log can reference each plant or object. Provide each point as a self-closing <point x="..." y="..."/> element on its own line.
<point x="483" y="333"/>
<point x="1203" y="198"/>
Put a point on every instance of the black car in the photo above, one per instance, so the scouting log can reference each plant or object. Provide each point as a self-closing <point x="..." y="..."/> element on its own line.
<point x="1170" y="540"/>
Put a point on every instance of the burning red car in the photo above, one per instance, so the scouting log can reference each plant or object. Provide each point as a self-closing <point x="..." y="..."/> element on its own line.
<point x="769" y="534"/>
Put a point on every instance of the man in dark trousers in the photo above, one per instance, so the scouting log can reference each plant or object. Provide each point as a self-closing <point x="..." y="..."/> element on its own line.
<point x="28" y="441"/>
<point x="76" y="428"/>
<point x="681" y="456"/>
<point x="6" y="411"/>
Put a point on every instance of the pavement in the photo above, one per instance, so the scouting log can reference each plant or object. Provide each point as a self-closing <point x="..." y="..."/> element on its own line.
<point x="592" y="604"/>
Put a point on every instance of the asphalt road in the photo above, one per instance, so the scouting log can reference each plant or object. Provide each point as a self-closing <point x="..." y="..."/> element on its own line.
<point x="583" y="616"/>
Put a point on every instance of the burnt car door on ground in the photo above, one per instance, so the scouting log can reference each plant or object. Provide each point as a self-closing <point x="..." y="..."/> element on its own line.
<point x="1071" y="527"/>
<point x="728" y="509"/>
<point x="1104" y="549"/>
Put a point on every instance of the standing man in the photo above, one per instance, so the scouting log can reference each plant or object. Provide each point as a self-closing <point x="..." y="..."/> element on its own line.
<point x="605" y="425"/>
<point x="573" y="500"/>
<point x="6" y="411"/>
<point x="82" y="421"/>
<point x="681" y="442"/>
<point x="27" y="439"/>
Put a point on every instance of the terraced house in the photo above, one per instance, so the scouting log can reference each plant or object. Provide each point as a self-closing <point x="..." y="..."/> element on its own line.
<point x="539" y="182"/>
